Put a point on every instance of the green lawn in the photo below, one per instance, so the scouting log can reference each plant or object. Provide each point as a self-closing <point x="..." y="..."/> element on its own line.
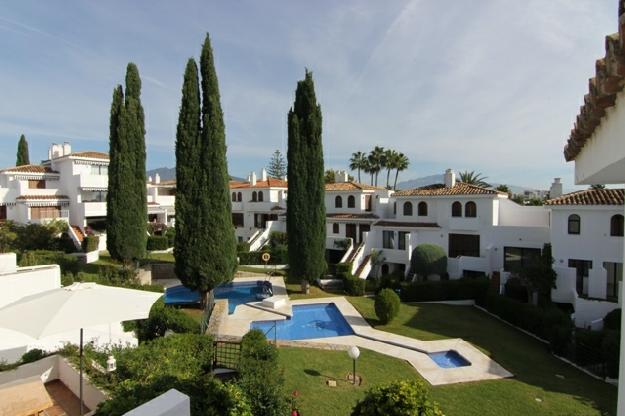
<point x="306" y="370"/>
<point x="537" y="388"/>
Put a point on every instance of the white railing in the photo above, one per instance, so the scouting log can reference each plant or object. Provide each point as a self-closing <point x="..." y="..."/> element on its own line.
<point x="93" y="209"/>
<point x="94" y="181"/>
<point x="364" y="272"/>
<point x="260" y="239"/>
<point x="349" y="250"/>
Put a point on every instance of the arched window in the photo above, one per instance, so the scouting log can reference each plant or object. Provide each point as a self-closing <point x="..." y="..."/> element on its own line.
<point x="335" y="228"/>
<point x="470" y="209"/>
<point x="254" y="196"/>
<point x="422" y="209"/>
<point x="574" y="224"/>
<point x="260" y="196"/>
<point x="234" y="197"/>
<point x="351" y="201"/>
<point x="338" y="202"/>
<point x="408" y="208"/>
<point x="616" y="225"/>
<point x="239" y="197"/>
<point x="456" y="209"/>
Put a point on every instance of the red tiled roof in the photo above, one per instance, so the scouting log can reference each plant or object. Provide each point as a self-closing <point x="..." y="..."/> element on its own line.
<point x="385" y="223"/>
<point x="41" y="197"/>
<point x="30" y="169"/>
<point x="91" y="155"/>
<point x="608" y="81"/>
<point x="440" y="189"/>
<point x="590" y="197"/>
<point x="350" y="186"/>
<point x="269" y="183"/>
<point x="340" y="216"/>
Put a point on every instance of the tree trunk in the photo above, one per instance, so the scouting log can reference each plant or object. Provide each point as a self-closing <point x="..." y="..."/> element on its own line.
<point x="388" y="174"/>
<point x="396" y="175"/>
<point x="358" y="175"/>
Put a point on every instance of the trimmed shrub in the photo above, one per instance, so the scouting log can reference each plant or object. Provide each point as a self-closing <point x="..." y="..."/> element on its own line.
<point x="460" y="289"/>
<point x="67" y="279"/>
<point x="90" y="243"/>
<point x="515" y="289"/>
<point x="66" y="244"/>
<point x="67" y="262"/>
<point x="386" y="305"/>
<point x="33" y="355"/>
<point x="171" y="236"/>
<point x="613" y="320"/>
<point x="391" y="281"/>
<point x="278" y="238"/>
<point x="428" y="259"/>
<point x="243" y="247"/>
<point x="342" y="270"/>
<point x="611" y="352"/>
<point x="587" y="346"/>
<point x="354" y="286"/>
<point x="163" y="318"/>
<point x="157" y="242"/>
<point x="398" y="398"/>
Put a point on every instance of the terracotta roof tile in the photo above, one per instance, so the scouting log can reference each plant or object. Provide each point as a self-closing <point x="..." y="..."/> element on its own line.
<point x="350" y="186"/>
<point x="439" y="189"/>
<point x="340" y="216"/>
<point x="30" y="169"/>
<point x="590" y="197"/>
<point x="91" y="155"/>
<point x="269" y="183"/>
<point x="41" y="197"/>
<point x="385" y="223"/>
<point x="608" y="81"/>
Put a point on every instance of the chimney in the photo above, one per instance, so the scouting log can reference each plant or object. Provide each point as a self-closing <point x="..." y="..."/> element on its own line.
<point x="149" y="179"/>
<point x="253" y="181"/>
<point x="157" y="178"/>
<point x="56" y="150"/>
<point x="341" y="176"/>
<point x="263" y="175"/>
<point x="556" y="188"/>
<point x="67" y="149"/>
<point x="450" y="178"/>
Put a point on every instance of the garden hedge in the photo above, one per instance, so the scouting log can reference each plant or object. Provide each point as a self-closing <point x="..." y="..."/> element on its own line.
<point x="90" y="243"/>
<point x="398" y="398"/>
<point x="67" y="262"/>
<point x="431" y="291"/>
<point x="612" y="320"/>
<point x="354" y="286"/>
<point x="163" y="318"/>
<point x="157" y="242"/>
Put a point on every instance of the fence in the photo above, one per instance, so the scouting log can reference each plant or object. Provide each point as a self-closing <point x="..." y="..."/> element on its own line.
<point x="226" y="354"/>
<point x="208" y="309"/>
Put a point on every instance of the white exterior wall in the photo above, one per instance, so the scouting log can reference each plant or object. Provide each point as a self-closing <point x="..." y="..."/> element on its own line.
<point x="17" y="282"/>
<point x="170" y="403"/>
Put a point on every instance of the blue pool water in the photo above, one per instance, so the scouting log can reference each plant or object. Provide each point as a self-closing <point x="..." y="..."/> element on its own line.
<point x="236" y="293"/>
<point x="449" y="359"/>
<point x="319" y="320"/>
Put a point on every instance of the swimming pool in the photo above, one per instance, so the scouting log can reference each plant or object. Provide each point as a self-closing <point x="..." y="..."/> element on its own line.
<point x="237" y="293"/>
<point x="319" y="320"/>
<point x="449" y="359"/>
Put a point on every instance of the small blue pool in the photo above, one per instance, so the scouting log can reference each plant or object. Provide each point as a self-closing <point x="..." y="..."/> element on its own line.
<point x="320" y="320"/>
<point x="449" y="359"/>
<point x="237" y="293"/>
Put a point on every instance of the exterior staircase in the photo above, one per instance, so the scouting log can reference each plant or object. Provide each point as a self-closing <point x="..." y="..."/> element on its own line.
<point x="354" y="253"/>
<point x="77" y="235"/>
<point x="365" y="264"/>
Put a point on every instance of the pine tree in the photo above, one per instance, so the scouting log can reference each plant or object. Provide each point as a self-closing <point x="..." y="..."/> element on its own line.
<point x="211" y="247"/>
<point x="277" y="165"/>
<point x="127" y="194"/>
<point x="22" y="152"/>
<point x="306" y="222"/>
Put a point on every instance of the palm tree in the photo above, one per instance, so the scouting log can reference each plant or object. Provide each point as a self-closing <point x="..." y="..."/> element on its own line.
<point x="375" y="160"/>
<point x="474" y="178"/>
<point x="366" y="167"/>
<point x="357" y="162"/>
<point x="401" y="163"/>
<point x="389" y="160"/>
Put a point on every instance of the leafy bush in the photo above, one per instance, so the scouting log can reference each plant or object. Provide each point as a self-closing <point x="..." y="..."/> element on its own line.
<point x="157" y="242"/>
<point x="354" y="286"/>
<point x="67" y="262"/>
<point x="398" y="398"/>
<point x="33" y="355"/>
<point x="391" y="281"/>
<point x="342" y="270"/>
<point x="90" y="243"/>
<point x="611" y="352"/>
<point x="66" y="244"/>
<point x="260" y="377"/>
<point x="613" y="320"/>
<point x="254" y="257"/>
<point x="67" y="279"/>
<point x="460" y="289"/>
<point x="386" y="305"/>
<point x="515" y="289"/>
<point x="163" y="318"/>
<point x="428" y="259"/>
<point x="587" y="346"/>
<point x="157" y="228"/>
<point x="277" y="238"/>
<point x="243" y="247"/>
<point x="171" y="236"/>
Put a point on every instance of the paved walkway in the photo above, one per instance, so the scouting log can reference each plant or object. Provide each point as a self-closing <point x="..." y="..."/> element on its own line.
<point x="412" y="350"/>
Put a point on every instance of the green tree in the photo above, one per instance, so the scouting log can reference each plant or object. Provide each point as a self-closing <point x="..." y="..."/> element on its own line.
<point x="376" y="158"/>
<point x="205" y="246"/>
<point x="358" y="162"/>
<point x="277" y="165"/>
<point x="22" y="152"/>
<point x="127" y="196"/>
<point x="389" y="160"/>
<point x="539" y="277"/>
<point x="405" y="398"/>
<point x="306" y="217"/>
<point x="503" y="188"/>
<point x="474" y="178"/>
<point x="401" y="164"/>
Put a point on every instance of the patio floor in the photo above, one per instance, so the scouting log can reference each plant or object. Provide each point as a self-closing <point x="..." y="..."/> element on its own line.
<point x="65" y="402"/>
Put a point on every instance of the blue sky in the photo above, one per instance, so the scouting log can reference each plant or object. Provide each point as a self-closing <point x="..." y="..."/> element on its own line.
<point x="488" y="85"/>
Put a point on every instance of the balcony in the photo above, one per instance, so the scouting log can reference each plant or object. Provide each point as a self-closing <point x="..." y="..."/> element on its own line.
<point x="463" y="223"/>
<point x="94" y="209"/>
<point x="46" y="217"/>
<point x="168" y="200"/>
<point x="94" y="181"/>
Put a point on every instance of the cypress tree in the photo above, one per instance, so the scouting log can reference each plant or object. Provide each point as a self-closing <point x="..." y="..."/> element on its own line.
<point x="211" y="247"/>
<point x="127" y="194"/>
<point x="306" y="218"/>
<point x="22" y="152"/>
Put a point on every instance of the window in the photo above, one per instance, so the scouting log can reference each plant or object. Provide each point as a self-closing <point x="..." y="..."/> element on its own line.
<point x="456" y="209"/>
<point x="616" y="226"/>
<point x="338" y="202"/>
<point x="368" y="206"/>
<point x="388" y="239"/>
<point x="93" y="196"/>
<point x="335" y="228"/>
<point x="574" y="224"/>
<point x="239" y="197"/>
<point x="37" y="184"/>
<point x="351" y="201"/>
<point x="401" y="239"/>
<point x="260" y="196"/>
<point x="614" y="276"/>
<point x="99" y="170"/>
<point x="582" y="268"/>
<point x="464" y="245"/>
<point x="394" y="208"/>
<point x="470" y="209"/>
<point x="234" y="197"/>
<point x="422" y="209"/>
<point x="37" y="213"/>
<point x="408" y="208"/>
<point x="237" y="219"/>
<point x="515" y="258"/>
<point x="3" y="212"/>
<point x="254" y="196"/>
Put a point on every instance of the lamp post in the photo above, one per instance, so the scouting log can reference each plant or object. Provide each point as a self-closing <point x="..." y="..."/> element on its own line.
<point x="353" y="353"/>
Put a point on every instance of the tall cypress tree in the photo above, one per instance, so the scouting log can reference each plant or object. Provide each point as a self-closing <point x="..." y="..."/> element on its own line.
<point x="127" y="194"/>
<point x="22" y="152"/>
<point x="306" y="217"/>
<point x="210" y="249"/>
